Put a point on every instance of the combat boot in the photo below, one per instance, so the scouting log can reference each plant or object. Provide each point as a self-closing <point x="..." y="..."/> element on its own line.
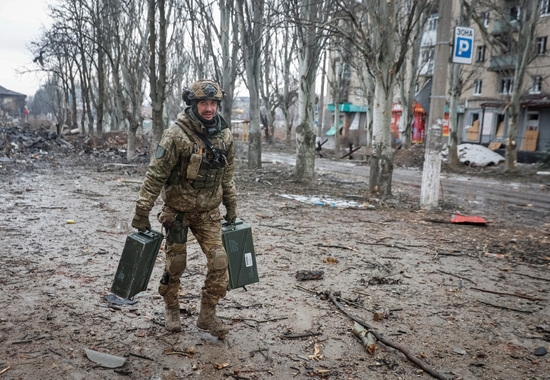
<point x="208" y="320"/>
<point x="170" y="293"/>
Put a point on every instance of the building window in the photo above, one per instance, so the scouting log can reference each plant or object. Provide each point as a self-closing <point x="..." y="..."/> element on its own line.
<point x="545" y="8"/>
<point x="506" y="86"/>
<point x="478" y="83"/>
<point x="514" y="13"/>
<point x="532" y="121"/>
<point x="485" y="18"/>
<point x="480" y="55"/>
<point x="427" y="60"/>
<point x="432" y="22"/>
<point x="541" y="45"/>
<point x="536" y="86"/>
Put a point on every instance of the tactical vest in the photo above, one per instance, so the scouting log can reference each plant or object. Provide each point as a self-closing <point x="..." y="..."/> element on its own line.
<point x="206" y="167"/>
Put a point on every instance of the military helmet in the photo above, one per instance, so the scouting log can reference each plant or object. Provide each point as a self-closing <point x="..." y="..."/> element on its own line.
<point x="203" y="89"/>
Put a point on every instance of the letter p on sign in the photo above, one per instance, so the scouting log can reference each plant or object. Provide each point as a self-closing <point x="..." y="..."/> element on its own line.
<point x="463" y="46"/>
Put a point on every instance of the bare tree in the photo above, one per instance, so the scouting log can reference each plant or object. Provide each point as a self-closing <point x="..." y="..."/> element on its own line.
<point x="408" y="78"/>
<point x="126" y="53"/>
<point x="310" y="17"/>
<point x="251" y="18"/>
<point x="279" y="85"/>
<point x="228" y="36"/>
<point x="523" y="53"/>
<point x="382" y="31"/>
<point x="157" y="63"/>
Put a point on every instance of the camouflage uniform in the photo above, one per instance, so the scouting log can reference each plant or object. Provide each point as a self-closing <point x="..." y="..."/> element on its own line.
<point x="191" y="201"/>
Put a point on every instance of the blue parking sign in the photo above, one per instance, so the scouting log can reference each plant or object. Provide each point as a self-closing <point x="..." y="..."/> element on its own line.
<point x="463" y="45"/>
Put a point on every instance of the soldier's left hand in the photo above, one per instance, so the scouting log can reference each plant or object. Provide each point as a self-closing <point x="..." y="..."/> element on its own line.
<point x="141" y="222"/>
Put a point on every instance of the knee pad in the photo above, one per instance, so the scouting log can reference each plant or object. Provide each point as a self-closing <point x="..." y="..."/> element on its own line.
<point x="217" y="259"/>
<point x="175" y="265"/>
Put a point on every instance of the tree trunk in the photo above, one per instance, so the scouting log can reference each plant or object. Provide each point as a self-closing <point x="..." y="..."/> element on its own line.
<point x="305" y="130"/>
<point x="511" y="155"/>
<point x="255" y="133"/>
<point x="131" y="151"/>
<point x="251" y="19"/>
<point x="529" y="17"/>
<point x="101" y="73"/>
<point x="157" y="75"/>
<point x="381" y="164"/>
<point x="229" y="55"/>
<point x="453" y="117"/>
<point x="410" y="83"/>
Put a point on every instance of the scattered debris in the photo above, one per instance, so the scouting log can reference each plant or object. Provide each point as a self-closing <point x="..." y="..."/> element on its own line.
<point x="459" y="351"/>
<point x="316" y="352"/>
<point x="5" y="369"/>
<point x="115" y="300"/>
<point x="219" y="366"/>
<point x="366" y="337"/>
<point x="303" y="275"/>
<point x="105" y="360"/>
<point x="378" y="315"/>
<point x="387" y="342"/>
<point x="384" y="281"/>
<point x="467" y="219"/>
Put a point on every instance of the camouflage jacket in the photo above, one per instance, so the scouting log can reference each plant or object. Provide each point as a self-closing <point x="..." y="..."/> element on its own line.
<point x="167" y="172"/>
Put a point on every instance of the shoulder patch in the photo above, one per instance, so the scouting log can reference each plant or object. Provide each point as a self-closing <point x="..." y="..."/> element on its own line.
<point x="160" y="151"/>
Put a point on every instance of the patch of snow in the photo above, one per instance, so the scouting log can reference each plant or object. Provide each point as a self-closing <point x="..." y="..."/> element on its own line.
<point x="322" y="201"/>
<point x="475" y="155"/>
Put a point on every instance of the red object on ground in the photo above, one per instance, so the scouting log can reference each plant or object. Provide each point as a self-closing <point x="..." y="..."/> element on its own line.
<point x="457" y="218"/>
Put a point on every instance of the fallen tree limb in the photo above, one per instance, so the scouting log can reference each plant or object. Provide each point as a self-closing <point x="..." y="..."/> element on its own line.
<point x="383" y="244"/>
<point x="456" y="275"/>
<point x="534" y="277"/>
<point x="5" y="369"/>
<point x="335" y="246"/>
<point x="509" y="294"/>
<point x="388" y="343"/>
<point x="141" y="356"/>
<point x="506" y="307"/>
<point x="298" y="336"/>
<point x="256" y="320"/>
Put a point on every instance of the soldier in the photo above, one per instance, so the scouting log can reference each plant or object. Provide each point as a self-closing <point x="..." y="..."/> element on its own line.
<point x="193" y="172"/>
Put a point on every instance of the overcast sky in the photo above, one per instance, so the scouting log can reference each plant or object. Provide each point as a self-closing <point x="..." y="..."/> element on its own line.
<point x="21" y="22"/>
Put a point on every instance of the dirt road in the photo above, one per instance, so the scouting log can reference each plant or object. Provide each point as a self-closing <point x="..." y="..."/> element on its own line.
<point x="470" y="302"/>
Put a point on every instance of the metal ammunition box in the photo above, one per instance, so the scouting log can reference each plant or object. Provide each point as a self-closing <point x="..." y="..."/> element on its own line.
<point x="237" y="240"/>
<point x="136" y="263"/>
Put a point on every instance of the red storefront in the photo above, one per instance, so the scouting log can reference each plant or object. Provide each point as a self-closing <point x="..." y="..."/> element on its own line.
<point x="418" y="123"/>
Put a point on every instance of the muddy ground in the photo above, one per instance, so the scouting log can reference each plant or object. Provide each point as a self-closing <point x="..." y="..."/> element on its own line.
<point x="469" y="302"/>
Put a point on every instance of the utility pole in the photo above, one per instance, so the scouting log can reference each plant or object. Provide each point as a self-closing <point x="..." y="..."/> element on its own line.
<point x="429" y="192"/>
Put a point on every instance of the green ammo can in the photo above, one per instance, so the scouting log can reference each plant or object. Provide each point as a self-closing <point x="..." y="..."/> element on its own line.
<point x="136" y="263"/>
<point x="237" y="241"/>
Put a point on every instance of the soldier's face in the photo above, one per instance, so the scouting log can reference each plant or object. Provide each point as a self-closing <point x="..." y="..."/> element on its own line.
<point x="207" y="108"/>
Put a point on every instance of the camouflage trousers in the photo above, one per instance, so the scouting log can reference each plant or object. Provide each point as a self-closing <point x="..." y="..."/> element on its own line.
<point x="206" y="227"/>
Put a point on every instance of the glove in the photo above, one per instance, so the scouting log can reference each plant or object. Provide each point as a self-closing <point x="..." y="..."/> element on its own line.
<point x="231" y="215"/>
<point x="141" y="222"/>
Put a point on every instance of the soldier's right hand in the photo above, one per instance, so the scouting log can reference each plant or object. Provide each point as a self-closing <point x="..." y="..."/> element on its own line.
<point x="141" y="222"/>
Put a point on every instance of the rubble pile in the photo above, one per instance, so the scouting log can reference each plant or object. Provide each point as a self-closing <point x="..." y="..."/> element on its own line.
<point x="24" y="141"/>
<point x="15" y="141"/>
